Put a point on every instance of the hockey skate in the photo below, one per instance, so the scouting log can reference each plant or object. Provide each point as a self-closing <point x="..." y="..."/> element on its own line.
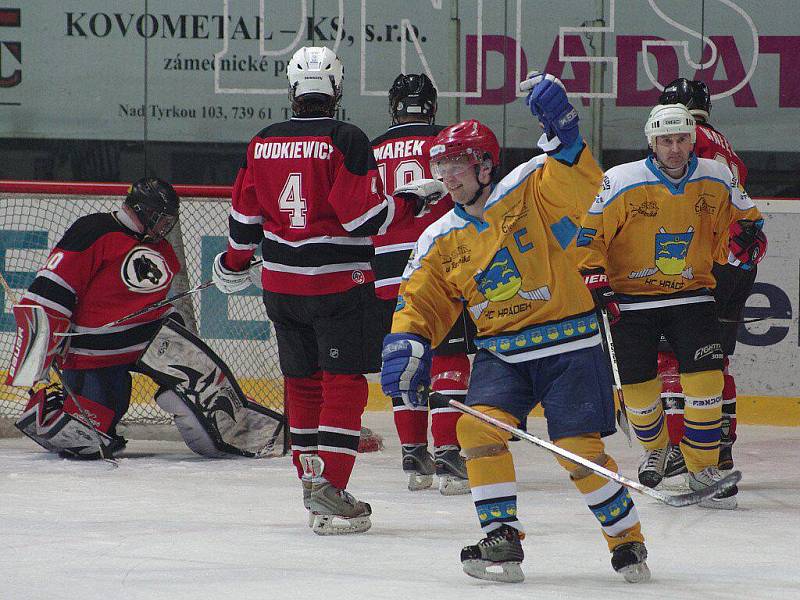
<point x="629" y="561"/>
<point x="709" y="476"/>
<point x="651" y="469"/>
<point x="334" y="510"/>
<point x="451" y="469"/>
<point x="500" y="551"/>
<point x="674" y="465"/>
<point x="418" y="464"/>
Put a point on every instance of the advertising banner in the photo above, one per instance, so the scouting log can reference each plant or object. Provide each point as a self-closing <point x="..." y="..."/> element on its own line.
<point x="215" y="70"/>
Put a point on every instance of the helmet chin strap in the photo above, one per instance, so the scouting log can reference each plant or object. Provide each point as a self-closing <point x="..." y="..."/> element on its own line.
<point x="481" y="187"/>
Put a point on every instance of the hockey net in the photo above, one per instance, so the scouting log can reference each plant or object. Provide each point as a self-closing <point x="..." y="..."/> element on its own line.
<point x="34" y="216"/>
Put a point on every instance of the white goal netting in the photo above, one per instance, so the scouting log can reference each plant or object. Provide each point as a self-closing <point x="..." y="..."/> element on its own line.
<point x="33" y="219"/>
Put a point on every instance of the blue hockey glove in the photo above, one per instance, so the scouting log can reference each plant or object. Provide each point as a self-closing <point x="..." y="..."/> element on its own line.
<point x="406" y="370"/>
<point x="548" y="102"/>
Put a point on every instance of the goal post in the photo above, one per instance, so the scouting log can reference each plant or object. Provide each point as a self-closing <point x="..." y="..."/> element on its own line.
<point x="35" y="215"/>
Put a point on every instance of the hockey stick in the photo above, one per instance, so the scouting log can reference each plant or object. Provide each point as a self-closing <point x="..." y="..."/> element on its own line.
<point x="146" y="309"/>
<point x="743" y="321"/>
<point x="88" y="421"/>
<point x="605" y="331"/>
<point x="678" y="500"/>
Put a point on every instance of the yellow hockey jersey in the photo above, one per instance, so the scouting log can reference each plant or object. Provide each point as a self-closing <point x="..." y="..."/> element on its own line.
<point x="656" y="238"/>
<point x="522" y="289"/>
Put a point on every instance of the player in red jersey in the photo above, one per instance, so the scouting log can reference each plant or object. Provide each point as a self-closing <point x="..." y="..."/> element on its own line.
<point x="402" y="157"/>
<point x="735" y="278"/>
<point x="106" y="266"/>
<point x="310" y="194"/>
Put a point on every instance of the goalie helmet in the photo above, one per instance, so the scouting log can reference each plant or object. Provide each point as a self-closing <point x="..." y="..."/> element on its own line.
<point x="315" y="71"/>
<point x="668" y="119"/>
<point x="412" y="95"/>
<point x="155" y="204"/>
<point x="694" y="95"/>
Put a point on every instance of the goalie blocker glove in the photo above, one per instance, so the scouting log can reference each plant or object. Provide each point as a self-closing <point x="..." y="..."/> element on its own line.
<point x="406" y="370"/>
<point x="423" y="192"/>
<point x="547" y="100"/>
<point x="602" y="294"/>
<point x="227" y="281"/>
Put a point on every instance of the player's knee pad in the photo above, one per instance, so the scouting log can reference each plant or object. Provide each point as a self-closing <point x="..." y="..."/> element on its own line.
<point x="642" y="395"/>
<point x="301" y="391"/>
<point x="60" y="423"/>
<point x="450" y="373"/>
<point x="705" y="384"/>
<point x="589" y="446"/>
<point x="478" y="439"/>
<point x="348" y="392"/>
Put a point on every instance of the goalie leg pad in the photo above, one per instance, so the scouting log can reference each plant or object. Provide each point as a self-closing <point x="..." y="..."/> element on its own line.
<point x="54" y="421"/>
<point x="177" y="359"/>
<point x="35" y="346"/>
<point x="192" y="428"/>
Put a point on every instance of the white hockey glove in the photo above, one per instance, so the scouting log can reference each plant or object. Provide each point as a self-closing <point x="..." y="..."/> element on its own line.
<point x="227" y="281"/>
<point x="424" y="192"/>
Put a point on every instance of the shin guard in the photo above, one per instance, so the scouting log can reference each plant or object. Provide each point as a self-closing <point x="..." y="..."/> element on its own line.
<point x="645" y="413"/>
<point x="672" y="396"/>
<point x="303" y="396"/>
<point x="344" y="400"/>
<point x="490" y="468"/>
<point x="610" y="502"/>
<point x="449" y="377"/>
<point x="700" y="444"/>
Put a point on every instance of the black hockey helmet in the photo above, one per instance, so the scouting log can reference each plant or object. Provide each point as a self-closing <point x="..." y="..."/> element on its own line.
<point x="694" y="95"/>
<point x="412" y="95"/>
<point x="155" y="203"/>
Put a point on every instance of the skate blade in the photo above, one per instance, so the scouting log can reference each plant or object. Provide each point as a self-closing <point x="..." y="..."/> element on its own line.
<point x="638" y="573"/>
<point x="729" y="503"/>
<point x="508" y="572"/>
<point x="336" y="525"/>
<point x="311" y="517"/>
<point x="450" y="485"/>
<point x="417" y="482"/>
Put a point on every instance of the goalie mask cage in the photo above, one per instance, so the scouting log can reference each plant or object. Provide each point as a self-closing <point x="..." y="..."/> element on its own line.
<point x="35" y="215"/>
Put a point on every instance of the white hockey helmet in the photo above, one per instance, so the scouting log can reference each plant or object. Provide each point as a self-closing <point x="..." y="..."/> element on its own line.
<point x="315" y="70"/>
<point x="667" y="119"/>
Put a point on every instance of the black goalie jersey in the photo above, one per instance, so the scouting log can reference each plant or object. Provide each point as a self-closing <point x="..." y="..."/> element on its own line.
<point x="100" y="272"/>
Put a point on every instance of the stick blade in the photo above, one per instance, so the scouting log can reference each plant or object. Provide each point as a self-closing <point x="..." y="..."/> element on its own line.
<point x="694" y="497"/>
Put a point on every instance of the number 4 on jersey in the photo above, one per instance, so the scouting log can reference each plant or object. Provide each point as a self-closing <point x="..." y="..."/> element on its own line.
<point x="291" y="200"/>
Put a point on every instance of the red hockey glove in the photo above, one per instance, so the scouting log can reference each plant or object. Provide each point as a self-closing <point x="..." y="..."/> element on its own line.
<point x="602" y="294"/>
<point x="748" y="242"/>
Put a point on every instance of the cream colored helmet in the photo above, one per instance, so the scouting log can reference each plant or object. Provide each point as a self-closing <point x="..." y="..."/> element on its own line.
<point x="315" y="70"/>
<point x="667" y="119"/>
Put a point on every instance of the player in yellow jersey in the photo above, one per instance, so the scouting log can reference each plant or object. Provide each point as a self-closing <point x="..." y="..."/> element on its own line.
<point x="502" y="251"/>
<point x="647" y="247"/>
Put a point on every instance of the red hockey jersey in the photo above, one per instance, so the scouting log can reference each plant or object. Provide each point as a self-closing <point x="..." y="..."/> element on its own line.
<point x="402" y="156"/>
<point x="712" y="144"/>
<point x="100" y="272"/>
<point x="309" y="192"/>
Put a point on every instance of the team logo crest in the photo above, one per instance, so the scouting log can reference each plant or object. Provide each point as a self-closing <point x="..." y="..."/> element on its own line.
<point x="144" y="271"/>
<point x="671" y="250"/>
<point x="502" y="281"/>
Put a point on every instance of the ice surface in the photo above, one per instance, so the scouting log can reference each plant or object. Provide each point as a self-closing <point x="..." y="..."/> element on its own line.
<point x="169" y="525"/>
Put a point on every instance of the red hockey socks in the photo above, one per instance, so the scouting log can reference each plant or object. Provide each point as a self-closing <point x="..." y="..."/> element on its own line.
<point x="345" y="397"/>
